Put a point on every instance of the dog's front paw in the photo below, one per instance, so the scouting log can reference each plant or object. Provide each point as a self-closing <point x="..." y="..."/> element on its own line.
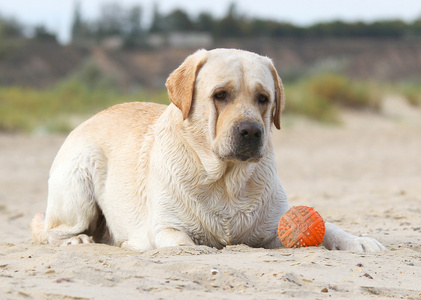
<point x="170" y="237"/>
<point x="77" y="240"/>
<point x="337" y="239"/>
<point x="357" y="244"/>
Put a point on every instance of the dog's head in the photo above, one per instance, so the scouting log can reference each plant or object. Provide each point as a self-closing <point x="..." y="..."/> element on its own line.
<point x="234" y="96"/>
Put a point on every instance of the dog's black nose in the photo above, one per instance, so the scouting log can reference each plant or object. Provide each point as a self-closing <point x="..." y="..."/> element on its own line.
<point x="250" y="131"/>
<point x="248" y="141"/>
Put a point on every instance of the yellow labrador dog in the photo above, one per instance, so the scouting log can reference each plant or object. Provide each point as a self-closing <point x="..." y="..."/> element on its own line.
<point x="200" y="171"/>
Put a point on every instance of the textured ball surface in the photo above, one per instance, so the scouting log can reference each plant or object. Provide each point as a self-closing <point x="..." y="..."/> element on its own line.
<point x="301" y="226"/>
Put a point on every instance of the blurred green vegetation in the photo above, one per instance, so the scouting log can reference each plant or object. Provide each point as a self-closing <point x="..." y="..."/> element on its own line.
<point x="115" y="19"/>
<point x="411" y="91"/>
<point x="62" y="107"/>
<point x="127" y="22"/>
<point x="320" y="97"/>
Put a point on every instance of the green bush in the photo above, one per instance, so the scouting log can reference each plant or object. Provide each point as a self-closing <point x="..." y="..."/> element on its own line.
<point x="343" y="91"/>
<point x="320" y="97"/>
<point x="54" y="110"/>
<point x="412" y="92"/>
<point x="301" y="101"/>
<point x="64" y="106"/>
<point x="61" y="108"/>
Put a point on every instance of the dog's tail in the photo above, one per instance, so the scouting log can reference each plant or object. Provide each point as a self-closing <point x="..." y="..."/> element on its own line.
<point x="37" y="228"/>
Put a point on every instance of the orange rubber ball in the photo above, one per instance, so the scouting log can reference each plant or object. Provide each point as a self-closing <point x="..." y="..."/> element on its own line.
<point x="301" y="226"/>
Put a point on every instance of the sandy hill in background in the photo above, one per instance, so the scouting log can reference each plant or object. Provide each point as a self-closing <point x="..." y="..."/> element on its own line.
<point x="44" y="64"/>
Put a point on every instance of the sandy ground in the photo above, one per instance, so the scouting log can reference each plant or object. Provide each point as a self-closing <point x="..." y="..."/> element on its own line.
<point x="364" y="175"/>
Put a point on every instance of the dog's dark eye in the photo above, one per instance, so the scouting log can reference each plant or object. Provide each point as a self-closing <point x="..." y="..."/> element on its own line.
<point x="262" y="99"/>
<point x="220" y="96"/>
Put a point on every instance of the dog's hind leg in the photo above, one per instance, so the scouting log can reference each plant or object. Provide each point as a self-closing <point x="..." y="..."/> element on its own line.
<point x="72" y="211"/>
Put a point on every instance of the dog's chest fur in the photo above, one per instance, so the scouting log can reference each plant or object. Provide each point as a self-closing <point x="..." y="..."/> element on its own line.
<point x="216" y="203"/>
<point x="223" y="218"/>
<point x="230" y="210"/>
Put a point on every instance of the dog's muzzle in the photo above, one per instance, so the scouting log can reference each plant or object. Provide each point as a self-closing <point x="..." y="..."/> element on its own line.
<point x="248" y="141"/>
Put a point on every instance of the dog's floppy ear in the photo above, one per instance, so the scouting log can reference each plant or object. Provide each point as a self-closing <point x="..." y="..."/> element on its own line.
<point x="180" y="83"/>
<point x="279" y="98"/>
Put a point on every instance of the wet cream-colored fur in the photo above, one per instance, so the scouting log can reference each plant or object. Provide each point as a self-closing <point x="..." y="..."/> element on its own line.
<point x="144" y="176"/>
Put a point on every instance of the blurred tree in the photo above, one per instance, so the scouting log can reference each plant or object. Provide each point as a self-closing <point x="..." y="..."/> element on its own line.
<point x="134" y="36"/>
<point x="157" y="24"/>
<point x="77" y="25"/>
<point x="416" y="27"/>
<point x="81" y="32"/>
<point x="11" y="31"/>
<point x="394" y="28"/>
<point x="126" y="24"/>
<point x="260" y="27"/>
<point x="10" y="28"/>
<point x="287" y="30"/>
<point x="134" y="20"/>
<point x="111" y="20"/>
<point x="42" y="34"/>
<point x="205" y="22"/>
<point x="178" y="20"/>
<point x="231" y="25"/>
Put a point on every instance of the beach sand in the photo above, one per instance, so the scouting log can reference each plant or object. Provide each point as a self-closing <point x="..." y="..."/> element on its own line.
<point x="363" y="175"/>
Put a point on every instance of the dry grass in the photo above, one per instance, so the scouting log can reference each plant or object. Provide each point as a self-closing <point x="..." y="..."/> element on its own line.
<point x="412" y="92"/>
<point x="87" y="92"/>
<point x="321" y="97"/>
<point x="52" y="110"/>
